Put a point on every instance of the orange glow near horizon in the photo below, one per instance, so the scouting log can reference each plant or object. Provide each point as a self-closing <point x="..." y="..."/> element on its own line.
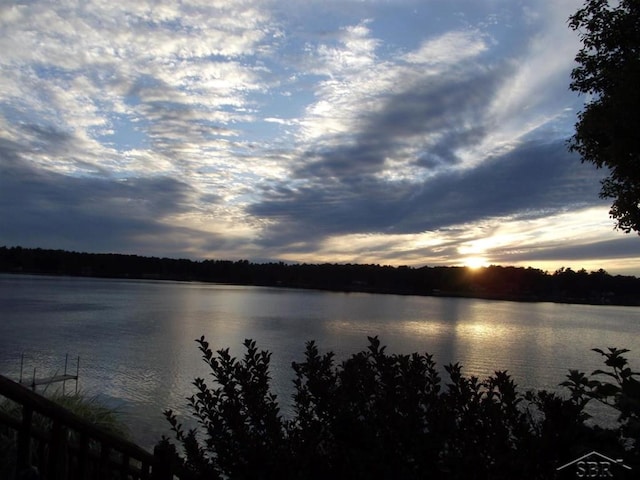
<point x="475" y="263"/>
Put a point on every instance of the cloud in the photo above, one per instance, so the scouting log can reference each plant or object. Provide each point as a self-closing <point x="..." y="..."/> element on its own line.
<point x="334" y="130"/>
<point x="421" y="143"/>
<point x="452" y="47"/>
<point x="536" y="93"/>
<point x="619" y="248"/>
<point x="171" y="69"/>
<point x="533" y="180"/>
<point x="48" y="209"/>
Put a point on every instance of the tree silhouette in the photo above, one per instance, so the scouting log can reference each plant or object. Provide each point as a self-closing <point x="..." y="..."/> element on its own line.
<point x="607" y="129"/>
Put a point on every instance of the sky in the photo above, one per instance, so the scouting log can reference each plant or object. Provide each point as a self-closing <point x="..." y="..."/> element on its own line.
<point x="392" y="132"/>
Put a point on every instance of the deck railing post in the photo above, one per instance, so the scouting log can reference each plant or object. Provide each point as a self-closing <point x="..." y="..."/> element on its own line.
<point x="124" y="465"/>
<point x="24" y="441"/>
<point x="83" y="456"/>
<point x="57" y="452"/>
<point x="105" y="460"/>
<point x="145" y="473"/>
<point x="164" y="459"/>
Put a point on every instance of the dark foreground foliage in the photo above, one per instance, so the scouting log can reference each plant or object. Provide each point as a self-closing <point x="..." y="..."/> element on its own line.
<point x="380" y="415"/>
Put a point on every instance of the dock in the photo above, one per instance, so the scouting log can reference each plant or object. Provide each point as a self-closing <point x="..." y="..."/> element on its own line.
<point x="55" y="378"/>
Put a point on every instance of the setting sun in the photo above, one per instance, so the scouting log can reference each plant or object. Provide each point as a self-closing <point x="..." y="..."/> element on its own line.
<point x="475" y="262"/>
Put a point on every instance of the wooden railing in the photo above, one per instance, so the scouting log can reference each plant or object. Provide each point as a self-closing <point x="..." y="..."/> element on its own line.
<point x="64" y="446"/>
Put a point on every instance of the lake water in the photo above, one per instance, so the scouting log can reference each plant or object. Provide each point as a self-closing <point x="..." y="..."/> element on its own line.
<point x="135" y="339"/>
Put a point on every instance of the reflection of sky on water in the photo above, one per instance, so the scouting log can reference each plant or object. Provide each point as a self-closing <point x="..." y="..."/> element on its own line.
<point x="137" y="349"/>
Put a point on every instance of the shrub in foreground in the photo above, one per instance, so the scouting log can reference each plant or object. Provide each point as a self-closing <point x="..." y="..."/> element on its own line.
<point x="380" y="415"/>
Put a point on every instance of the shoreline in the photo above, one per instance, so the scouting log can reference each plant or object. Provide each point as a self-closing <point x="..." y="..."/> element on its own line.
<point x="522" y="298"/>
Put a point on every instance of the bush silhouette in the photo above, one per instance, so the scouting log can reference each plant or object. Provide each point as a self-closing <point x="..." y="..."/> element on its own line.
<point x="380" y="415"/>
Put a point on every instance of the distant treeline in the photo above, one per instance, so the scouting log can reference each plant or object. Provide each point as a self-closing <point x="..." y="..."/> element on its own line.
<point x="495" y="282"/>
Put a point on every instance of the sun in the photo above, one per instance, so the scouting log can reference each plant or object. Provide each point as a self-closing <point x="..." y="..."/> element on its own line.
<point x="475" y="263"/>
